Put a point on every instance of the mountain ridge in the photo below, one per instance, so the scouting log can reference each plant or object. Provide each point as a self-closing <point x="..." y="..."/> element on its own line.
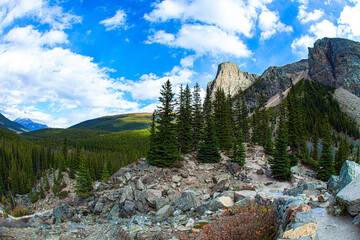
<point x="11" y="126"/>
<point x="30" y="124"/>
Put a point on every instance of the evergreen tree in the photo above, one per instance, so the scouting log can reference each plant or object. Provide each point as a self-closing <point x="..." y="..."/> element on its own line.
<point x="326" y="163"/>
<point x="241" y="117"/>
<point x="357" y="159"/>
<point x="33" y="196"/>
<point x="238" y="153"/>
<point x="342" y="154"/>
<point x="65" y="152"/>
<point x="42" y="194"/>
<point x="105" y="173"/>
<point x="280" y="164"/>
<point x="166" y="144"/>
<point x="292" y="125"/>
<point x="83" y="181"/>
<point x="184" y="120"/>
<point x="47" y="184"/>
<point x="315" y="149"/>
<point x="221" y="119"/>
<point x="197" y="117"/>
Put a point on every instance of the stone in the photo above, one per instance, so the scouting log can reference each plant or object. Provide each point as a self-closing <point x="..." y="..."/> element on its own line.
<point x="140" y="202"/>
<point x="184" y="174"/>
<point x="190" y="223"/>
<point x="350" y="196"/>
<point x="187" y="201"/>
<point x="176" y="178"/>
<point x="205" y="197"/>
<point x="108" y="231"/>
<point x="234" y="168"/>
<point x="127" y="194"/>
<point x="332" y="183"/>
<point x="127" y="176"/>
<point x="296" y="171"/>
<point x="113" y="195"/>
<point x="260" y="172"/>
<point x="62" y="212"/>
<point x="128" y="209"/>
<point x="240" y="195"/>
<point x="321" y="198"/>
<point x="98" y="207"/>
<point x="35" y="221"/>
<point x="160" y="202"/>
<point x="230" y="194"/>
<point x="151" y="195"/>
<point x="356" y="220"/>
<point x="139" y="184"/>
<point x="115" y="211"/>
<point x="306" y="230"/>
<point x="220" y="187"/>
<point x="164" y="212"/>
<point x="305" y="217"/>
<point x="349" y="171"/>
<point x="222" y="177"/>
<point x="215" y="204"/>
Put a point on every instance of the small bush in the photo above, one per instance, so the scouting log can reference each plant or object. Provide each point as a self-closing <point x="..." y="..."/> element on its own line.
<point x="249" y="221"/>
<point x="63" y="194"/>
<point x="178" y="164"/>
<point x="19" y="212"/>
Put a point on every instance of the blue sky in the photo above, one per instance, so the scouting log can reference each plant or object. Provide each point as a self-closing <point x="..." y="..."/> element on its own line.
<point x="66" y="61"/>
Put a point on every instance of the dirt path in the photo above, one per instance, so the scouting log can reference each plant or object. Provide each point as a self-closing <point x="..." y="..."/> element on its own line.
<point x="335" y="228"/>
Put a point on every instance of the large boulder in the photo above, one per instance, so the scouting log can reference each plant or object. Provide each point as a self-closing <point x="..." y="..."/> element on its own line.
<point x="140" y="202"/>
<point x="62" y="212"/>
<point x="350" y="196"/>
<point x="215" y="204"/>
<point x="332" y="183"/>
<point x="187" y="201"/>
<point x="151" y="195"/>
<point x="127" y="194"/>
<point x="164" y="212"/>
<point x="349" y="171"/>
<point x="128" y="209"/>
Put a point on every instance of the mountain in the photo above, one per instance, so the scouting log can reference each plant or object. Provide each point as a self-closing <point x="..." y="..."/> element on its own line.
<point x="336" y="62"/>
<point x="116" y="123"/>
<point x="231" y="79"/>
<point x="28" y="123"/>
<point x="9" y="125"/>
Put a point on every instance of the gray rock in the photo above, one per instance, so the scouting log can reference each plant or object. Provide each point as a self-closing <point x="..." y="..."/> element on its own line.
<point x="187" y="201"/>
<point x="350" y="196"/>
<point x="108" y="232"/>
<point x="127" y="194"/>
<point x="35" y="221"/>
<point x="215" y="204"/>
<point x="205" y="197"/>
<point x="140" y="202"/>
<point x="164" y="212"/>
<point x="151" y="195"/>
<point x="356" y="220"/>
<point x="240" y="195"/>
<point x="62" y="212"/>
<point x="333" y="183"/>
<point x="140" y="185"/>
<point x="220" y="187"/>
<point x="349" y="171"/>
<point x="296" y="171"/>
<point x="190" y="223"/>
<point x="98" y="207"/>
<point x="115" y="211"/>
<point x="127" y="176"/>
<point x="230" y="194"/>
<point x="234" y="168"/>
<point x="219" y="178"/>
<point x="113" y="195"/>
<point x="128" y="209"/>
<point x="160" y="202"/>
<point x="305" y="217"/>
<point x="176" y="178"/>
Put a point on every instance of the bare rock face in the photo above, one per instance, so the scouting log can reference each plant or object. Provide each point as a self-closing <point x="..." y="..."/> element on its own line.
<point x="336" y="62"/>
<point x="230" y="78"/>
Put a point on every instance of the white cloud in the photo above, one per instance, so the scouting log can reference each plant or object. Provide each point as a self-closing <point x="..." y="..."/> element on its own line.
<point x="11" y="10"/>
<point x="224" y="20"/>
<point x="269" y="23"/>
<point x="203" y="39"/>
<point x="305" y="17"/>
<point x="188" y="61"/>
<point x="116" y="22"/>
<point x="349" y="21"/>
<point x="300" y="45"/>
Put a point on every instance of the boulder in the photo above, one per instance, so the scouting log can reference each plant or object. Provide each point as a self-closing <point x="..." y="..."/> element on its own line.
<point x="332" y="183"/>
<point x="164" y="212"/>
<point x="187" y="201"/>
<point x="128" y="209"/>
<point x="113" y="195"/>
<point x="215" y="204"/>
<point x="350" y="196"/>
<point x="176" y="179"/>
<point x="140" y="185"/>
<point x="240" y="195"/>
<point x="234" y="168"/>
<point x="151" y="195"/>
<point x="349" y="171"/>
<point x="62" y="212"/>
<point x="230" y="194"/>
<point x="300" y="231"/>
<point x="98" y="207"/>
<point x="220" y="187"/>
<point x="115" y="211"/>
<point x="219" y="178"/>
<point x="127" y="194"/>
<point x="108" y="231"/>
<point x="140" y="202"/>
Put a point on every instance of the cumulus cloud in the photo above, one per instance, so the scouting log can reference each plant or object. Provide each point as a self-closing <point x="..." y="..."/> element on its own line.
<point x="116" y="22"/>
<point x="203" y="39"/>
<point x="305" y="17"/>
<point x="225" y="21"/>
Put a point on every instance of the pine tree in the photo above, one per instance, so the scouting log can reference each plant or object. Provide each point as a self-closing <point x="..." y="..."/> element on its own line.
<point x="221" y="119"/>
<point x="315" y="149"/>
<point x="105" y="173"/>
<point x="241" y="117"/>
<point x="65" y="153"/>
<point x="33" y="196"/>
<point x="197" y="117"/>
<point x="184" y="120"/>
<point x="83" y="181"/>
<point x="166" y="144"/>
<point x="281" y="164"/>
<point x="238" y="153"/>
<point x="47" y="184"/>
<point x="342" y="154"/>
<point x="42" y="194"/>
<point x="326" y="164"/>
<point x="292" y="125"/>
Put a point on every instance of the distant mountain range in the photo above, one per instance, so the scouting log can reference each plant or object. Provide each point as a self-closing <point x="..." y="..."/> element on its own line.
<point x="12" y="126"/>
<point x="29" y="124"/>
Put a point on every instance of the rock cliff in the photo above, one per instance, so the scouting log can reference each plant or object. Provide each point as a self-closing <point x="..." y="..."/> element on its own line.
<point x="336" y="62"/>
<point x="230" y="78"/>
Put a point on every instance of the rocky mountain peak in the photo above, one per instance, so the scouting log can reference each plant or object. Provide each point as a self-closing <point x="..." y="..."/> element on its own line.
<point x="336" y="62"/>
<point x="230" y="78"/>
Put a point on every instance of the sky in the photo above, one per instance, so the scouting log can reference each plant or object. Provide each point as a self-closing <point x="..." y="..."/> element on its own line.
<point x="66" y="61"/>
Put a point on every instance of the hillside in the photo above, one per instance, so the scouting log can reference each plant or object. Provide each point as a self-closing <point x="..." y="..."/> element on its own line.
<point x="29" y="124"/>
<point x="9" y="125"/>
<point x="116" y="123"/>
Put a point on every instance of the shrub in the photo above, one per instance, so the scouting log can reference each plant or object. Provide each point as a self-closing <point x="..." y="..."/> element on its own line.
<point x="248" y="221"/>
<point x="19" y="212"/>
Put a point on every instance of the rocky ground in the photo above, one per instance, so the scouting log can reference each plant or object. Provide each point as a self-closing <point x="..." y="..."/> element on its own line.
<point x="146" y="202"/>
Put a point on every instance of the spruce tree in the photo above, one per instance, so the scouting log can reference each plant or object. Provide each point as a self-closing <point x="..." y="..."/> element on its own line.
<point x="292" y="125"/>
<point x="42" y="194"/>
<point x="342" y="154"/>
<point x="65" y="152"/>
<point x="47" y="184"/>
<point x="241" y="117"/>
<point x="105" y="173"/>
<point x="184" y="120"/>
<point x="33" y="196"/>
<point x="315" y="149"/>
<point x="281" y="164"/>
<point x="238" y="151"/>
<point x="357" y="159"/>
<point x="166" y="144"/>
<point x="197" y="117"/>
<point x="326" y="163"/>
<point x="83" y="181"/>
